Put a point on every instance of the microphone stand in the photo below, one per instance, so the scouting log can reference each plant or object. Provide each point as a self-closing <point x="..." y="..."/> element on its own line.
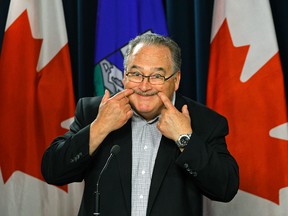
<point x="114" y="150"/>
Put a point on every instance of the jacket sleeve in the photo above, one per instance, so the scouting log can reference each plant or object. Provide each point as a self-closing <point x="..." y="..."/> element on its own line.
<point x="67" y="158"/>
<point x="207" y="161"/>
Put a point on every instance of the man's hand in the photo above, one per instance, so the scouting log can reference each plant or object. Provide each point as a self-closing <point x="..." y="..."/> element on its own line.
<point x="173" y="123"/>
<point x="113" y="113"/>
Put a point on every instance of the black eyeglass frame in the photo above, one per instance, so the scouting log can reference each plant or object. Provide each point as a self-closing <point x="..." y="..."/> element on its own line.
<point x="148" y="77"/>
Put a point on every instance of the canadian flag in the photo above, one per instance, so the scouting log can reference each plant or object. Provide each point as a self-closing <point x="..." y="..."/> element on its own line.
<point x="37" y="104"/>
<point x="245" y="83"/>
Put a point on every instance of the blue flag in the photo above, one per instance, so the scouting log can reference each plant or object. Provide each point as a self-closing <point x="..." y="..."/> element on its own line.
<point x="117" y="23"/>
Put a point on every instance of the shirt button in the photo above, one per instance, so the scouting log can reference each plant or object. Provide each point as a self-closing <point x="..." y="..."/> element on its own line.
<point x="143" y="172"/>
<point x="145" y="147"/>
<point x="194" y="173"/>
<point x="141" y="196"/>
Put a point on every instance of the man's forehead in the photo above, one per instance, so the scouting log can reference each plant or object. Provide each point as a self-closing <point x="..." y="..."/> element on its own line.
<point x="151" y="69"/>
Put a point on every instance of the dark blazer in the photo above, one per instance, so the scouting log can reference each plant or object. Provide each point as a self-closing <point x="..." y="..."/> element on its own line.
<point x="179" y="180"/>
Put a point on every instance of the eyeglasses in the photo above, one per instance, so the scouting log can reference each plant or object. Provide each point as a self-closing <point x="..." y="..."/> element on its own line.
<point x="155" y="79"/>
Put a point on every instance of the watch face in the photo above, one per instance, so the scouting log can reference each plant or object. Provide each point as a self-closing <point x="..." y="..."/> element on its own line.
<point x="184" y="140"/>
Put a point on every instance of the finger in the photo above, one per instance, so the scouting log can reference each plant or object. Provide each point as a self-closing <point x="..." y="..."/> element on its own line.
<point x="127" y="108"/>
<point x="185" y="110"/>
<point x="166" y="101"/>
<point x="106" y="96"/>
<point x="123" y="94"/>
<point x="129" y="114"/>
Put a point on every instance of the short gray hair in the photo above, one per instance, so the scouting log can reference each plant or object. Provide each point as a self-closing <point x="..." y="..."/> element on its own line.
<point x="156" y="39"/>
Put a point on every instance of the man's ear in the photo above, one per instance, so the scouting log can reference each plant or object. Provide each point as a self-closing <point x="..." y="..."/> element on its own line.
<point x="124" y="80"/>
<point x="177" y="79"/>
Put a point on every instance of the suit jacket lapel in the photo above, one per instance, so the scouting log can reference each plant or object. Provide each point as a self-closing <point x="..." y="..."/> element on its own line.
<point x="165" y="157"/>
<point x="123" y="138"/>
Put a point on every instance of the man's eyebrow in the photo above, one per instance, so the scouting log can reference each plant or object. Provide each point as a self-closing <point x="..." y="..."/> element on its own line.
<point x="155" y="69"/>
<point x="136" y="67"/>
<point x="159" y="69"/>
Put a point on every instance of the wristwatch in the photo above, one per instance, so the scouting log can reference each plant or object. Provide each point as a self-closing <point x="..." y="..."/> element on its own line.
<point x="183" y="140"/>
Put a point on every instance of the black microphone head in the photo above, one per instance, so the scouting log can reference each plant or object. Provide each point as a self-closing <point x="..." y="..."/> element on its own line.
<point x="115" y="150"/>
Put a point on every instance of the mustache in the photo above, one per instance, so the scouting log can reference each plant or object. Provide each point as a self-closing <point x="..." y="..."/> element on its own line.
<point x="152" y="93"/>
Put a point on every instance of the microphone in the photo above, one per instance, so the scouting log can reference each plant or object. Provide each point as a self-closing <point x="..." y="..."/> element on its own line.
<point x="114" y="151"/>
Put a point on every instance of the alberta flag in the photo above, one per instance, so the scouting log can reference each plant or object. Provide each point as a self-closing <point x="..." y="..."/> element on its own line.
<point x="37" y="104"/>
<point x="246" y="84"/>
<point x="118" y="22"/>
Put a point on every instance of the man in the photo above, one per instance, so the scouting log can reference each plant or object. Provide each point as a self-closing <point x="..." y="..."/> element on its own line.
<point x="173" y="149"/>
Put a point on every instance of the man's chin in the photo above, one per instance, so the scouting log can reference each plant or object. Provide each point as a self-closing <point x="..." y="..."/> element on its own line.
<point x="144" y="110"/>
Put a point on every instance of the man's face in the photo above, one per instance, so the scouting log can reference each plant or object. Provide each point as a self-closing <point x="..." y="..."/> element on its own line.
<point x="149" y="60"/>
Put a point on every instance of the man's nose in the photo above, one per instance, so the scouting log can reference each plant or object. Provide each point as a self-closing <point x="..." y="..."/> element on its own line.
<point x="145" y="84"/>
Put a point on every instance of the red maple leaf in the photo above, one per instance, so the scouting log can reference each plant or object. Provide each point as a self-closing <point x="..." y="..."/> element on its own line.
<point x="253" y="108"/>
<point x="33" y="104"/>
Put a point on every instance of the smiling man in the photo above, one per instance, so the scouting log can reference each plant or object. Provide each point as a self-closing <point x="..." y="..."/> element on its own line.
<point x="173" y="150"/>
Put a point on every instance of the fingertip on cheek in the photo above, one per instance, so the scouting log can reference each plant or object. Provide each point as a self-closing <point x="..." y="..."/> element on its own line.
<point x="160" y="95"/>
<point x="128" y="92"/>
<point x="131" y="90"/>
